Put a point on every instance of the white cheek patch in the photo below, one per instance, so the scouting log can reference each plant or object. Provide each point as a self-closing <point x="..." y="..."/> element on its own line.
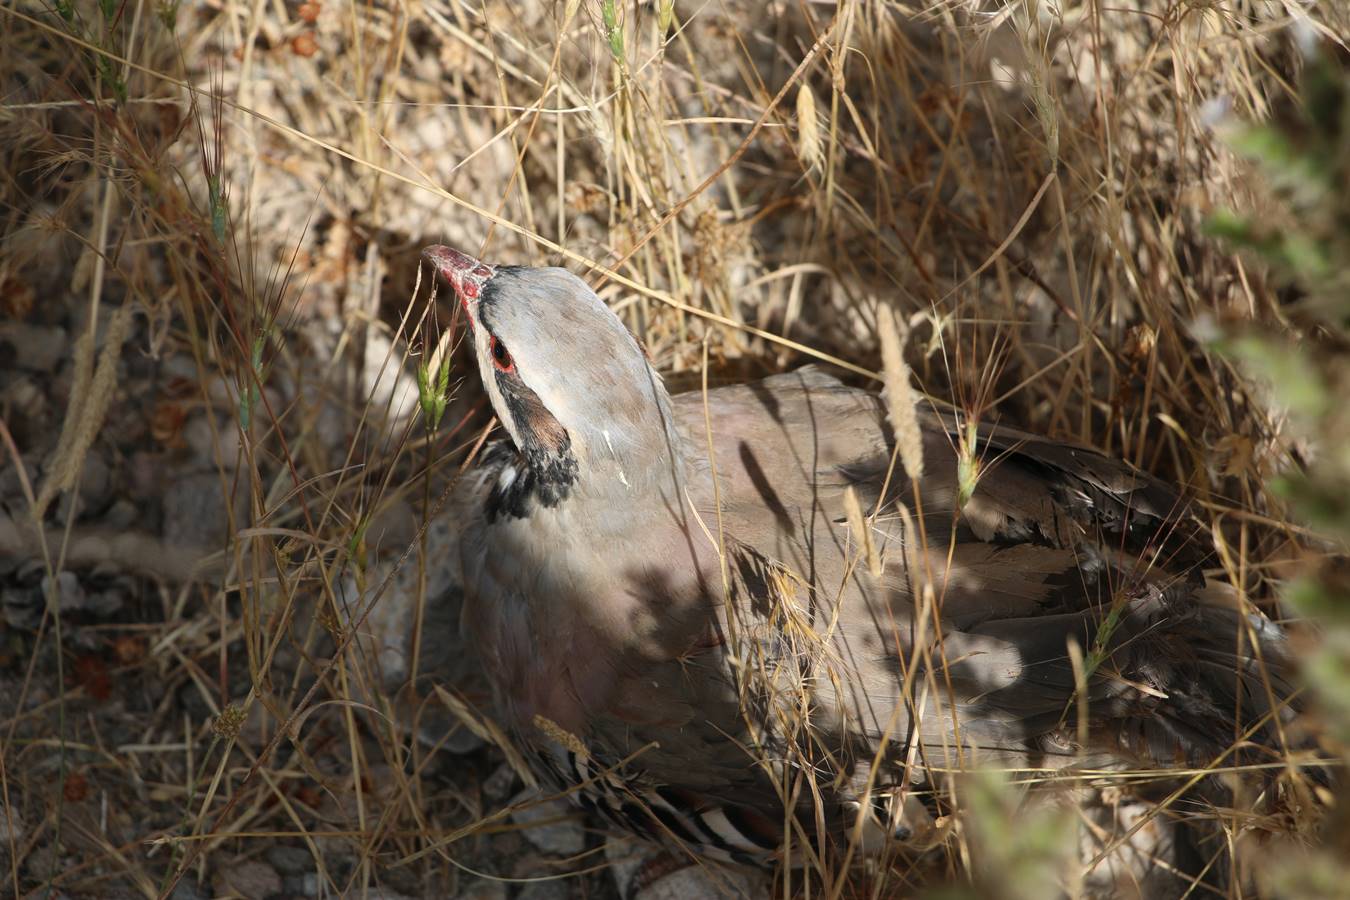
<point x="499" y="405"/>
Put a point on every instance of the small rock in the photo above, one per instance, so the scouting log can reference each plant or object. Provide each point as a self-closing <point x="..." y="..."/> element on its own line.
<point x="94" y="480"/>
<point x="25" y="397"/>
<point x="707" y="880"/>
<point x="437" y="725"/>
<point x="11" y="826"/>
<point x="70" y="592"/>
<point x="144" y="474"/>
<point x="91" y="494"/>
<point x="257" y="726"/>
<point x="445" y="655"/>
<point x="483" y="889"/>
<point x="506" y="848"/>
<point x="212" y="447"/>
<point x="498" y="785"/>
<point x="180" y="366"/>
<point x="389" y="388"/>
<point x="625" y="856"/>
<point x="251" y="879"/>
<point x="105" y="604"/>
<point x="553" y="825"/>
<point x="30" y="571"/>
<point x="554" y="889"/>
<point x="31" y="418"/>
<point x="630" y="860"/>
<point x="42" y="862"/>
<point x="85" y="640"/>
<point x="22" y="607"/>
<point x="121" y="515"/>
<point x="290" y="860"/>
<point x="463" y="742"/>
<point x="11" y="485"/>
<point x="34" y="347"/>
<point x="195" y="514"/>
<point x="191" y="702"/>
<point x="10" y="543"/>
<point x="393" y="527"/>
<point x="188" y="889"/>
<point x="74" y="598"/>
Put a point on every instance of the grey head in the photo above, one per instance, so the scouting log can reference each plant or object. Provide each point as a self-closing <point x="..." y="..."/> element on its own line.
<point x="567" y="380"/>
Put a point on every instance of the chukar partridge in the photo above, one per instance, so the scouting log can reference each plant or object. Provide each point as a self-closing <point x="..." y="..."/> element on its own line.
<point x="674" y="611"/>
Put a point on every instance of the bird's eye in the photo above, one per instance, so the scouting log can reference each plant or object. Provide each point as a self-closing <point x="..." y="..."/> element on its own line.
<point x="500" y="355"/>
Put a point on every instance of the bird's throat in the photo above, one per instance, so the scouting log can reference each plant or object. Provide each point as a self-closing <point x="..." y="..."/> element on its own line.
<point x="526" y="480"/>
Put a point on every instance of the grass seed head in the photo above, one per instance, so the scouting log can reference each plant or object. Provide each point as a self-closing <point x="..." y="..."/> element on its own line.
<point x="901" y="400"/>
<point x="808" y="129"/>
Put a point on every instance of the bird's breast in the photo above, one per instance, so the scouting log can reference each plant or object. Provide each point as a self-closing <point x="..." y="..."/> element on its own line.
<point x="565" y="606"/>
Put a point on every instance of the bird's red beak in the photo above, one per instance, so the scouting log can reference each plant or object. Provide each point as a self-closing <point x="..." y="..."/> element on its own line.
<point x="465" y="274"/>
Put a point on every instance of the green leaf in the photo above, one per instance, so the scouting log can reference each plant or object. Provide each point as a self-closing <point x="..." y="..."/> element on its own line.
<point x="109" y="76"/>
<point x="250" y="395"/>
<point x="248" y="399"/>
<point x="1328" y="670"/>
<point x="1229" y="226"/>
<point x="433" y="391"/>
<point x="1301" y="255"/>
<point x="1319" y="502"/>
<point x="443" y="382"/>
<point x="1315" y="600"/>
<point x="1305" y="873"/>
<point x="1304" y="255"/>
<point x="1290" y="371"/>
<point x="609" y="14"/>
<point x="356" y="543"/>
<point x="1265" y="144"/>
<point x="1287" y="165"/>
<point x="1024" y="843"/>
<point x="168" y="14"/>
<point x="1101" y="641"/>
<point x="1326" y="98"/>
<point x="219" y="208"/>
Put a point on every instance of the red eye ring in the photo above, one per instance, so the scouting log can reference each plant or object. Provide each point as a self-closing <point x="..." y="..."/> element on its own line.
<point x="501" y="357"/>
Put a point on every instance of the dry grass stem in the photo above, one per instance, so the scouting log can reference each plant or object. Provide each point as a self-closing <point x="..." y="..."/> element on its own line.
<point x="91" y="393"/>
<point x="861" y="530"/>
<point x="212" y="326"/>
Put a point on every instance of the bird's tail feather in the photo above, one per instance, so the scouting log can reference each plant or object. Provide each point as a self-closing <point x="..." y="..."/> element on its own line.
<point x="1195" y="678"/>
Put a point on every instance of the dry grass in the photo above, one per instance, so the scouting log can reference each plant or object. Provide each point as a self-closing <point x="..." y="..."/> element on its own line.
<point x="1022" y="186"/>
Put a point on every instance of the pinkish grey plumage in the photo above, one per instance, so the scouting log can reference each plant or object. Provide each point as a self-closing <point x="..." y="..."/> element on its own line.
<point x="592" y="552"/>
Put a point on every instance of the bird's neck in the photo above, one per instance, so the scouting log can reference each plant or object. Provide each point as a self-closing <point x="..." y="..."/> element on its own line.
<point x="634" y="456"/>
<point x="616" y="463"/>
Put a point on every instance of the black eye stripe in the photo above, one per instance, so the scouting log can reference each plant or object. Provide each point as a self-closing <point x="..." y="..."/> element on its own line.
<point x="549" y="468"/>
